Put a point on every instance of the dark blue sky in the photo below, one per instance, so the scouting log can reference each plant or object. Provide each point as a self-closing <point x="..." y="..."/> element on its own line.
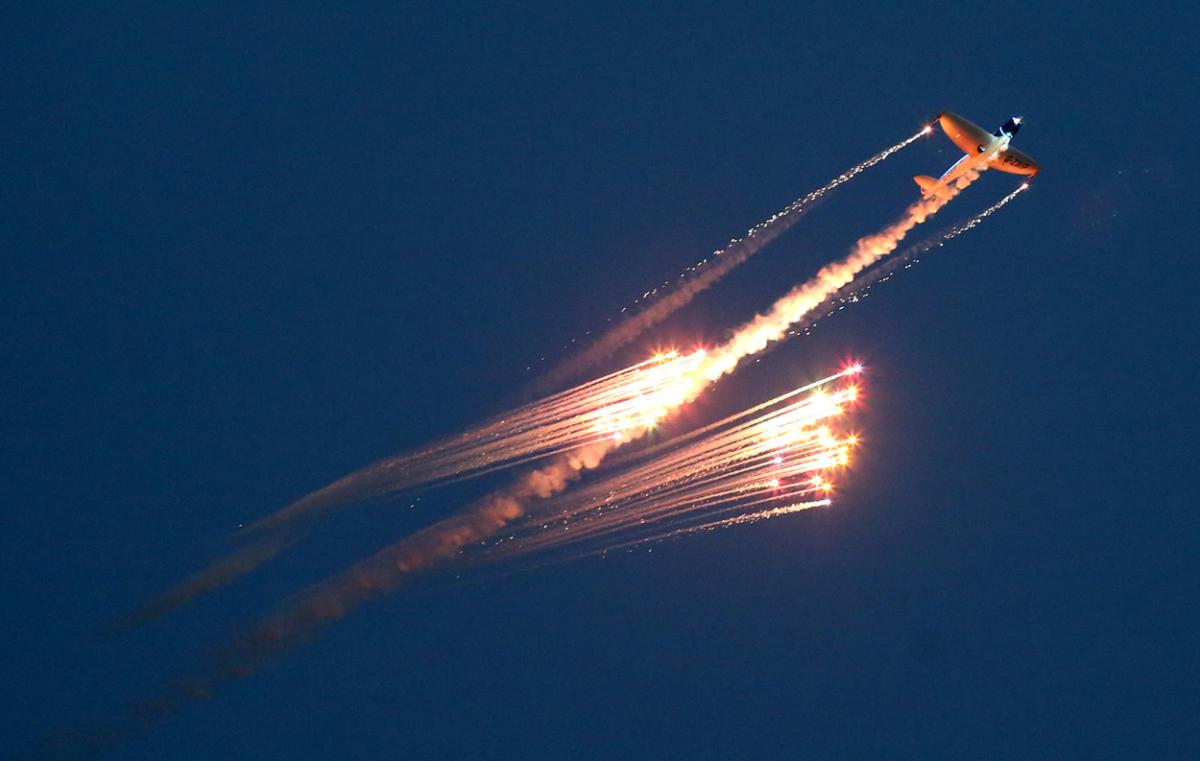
<point x="249" y="250"/>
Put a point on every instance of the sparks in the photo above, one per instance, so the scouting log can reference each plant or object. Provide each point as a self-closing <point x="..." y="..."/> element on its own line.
<point x="773" y="454"/>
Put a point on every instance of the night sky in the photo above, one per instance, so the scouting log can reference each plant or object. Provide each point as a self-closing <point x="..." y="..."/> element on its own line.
<point x="249" y="250"/>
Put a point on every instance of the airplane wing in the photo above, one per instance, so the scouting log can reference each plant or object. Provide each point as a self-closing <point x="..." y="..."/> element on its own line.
<point x="967" y="136"/>
<point x="1014" y="162"/>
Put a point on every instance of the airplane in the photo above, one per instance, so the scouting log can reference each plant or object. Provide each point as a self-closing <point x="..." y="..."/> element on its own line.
<point x="983" y="150"/>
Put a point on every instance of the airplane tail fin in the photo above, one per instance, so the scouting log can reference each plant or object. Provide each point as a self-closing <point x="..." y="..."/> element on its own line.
<point x="927" y="184"/>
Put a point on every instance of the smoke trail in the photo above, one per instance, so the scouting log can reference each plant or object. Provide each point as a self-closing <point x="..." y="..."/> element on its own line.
<point x="565" y="421"/>
<point x="306" y="614"/>
<point x="560" y="422"/>
<point x="861" y="286"/>
<point x="383" y="571"/>
<point x="709" y="271"/>
<point x="775" y="324"/>
<point x="469" y="454"/>
<point x="776" y="452"/>
<point x="220" y="573"/>
<point x="909" y="256"/>
<point x="718" y="472"/>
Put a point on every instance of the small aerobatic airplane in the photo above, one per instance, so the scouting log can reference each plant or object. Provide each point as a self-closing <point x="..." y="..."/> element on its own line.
<point x="982" y="149"/>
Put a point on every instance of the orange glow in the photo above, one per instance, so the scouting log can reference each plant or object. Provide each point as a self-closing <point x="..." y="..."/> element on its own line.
<point x="749" y="466"/>
<point x="668" y="381"/>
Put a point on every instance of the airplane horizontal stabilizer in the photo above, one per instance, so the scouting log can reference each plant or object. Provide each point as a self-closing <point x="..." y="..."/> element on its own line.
<point x="927" y="183"/>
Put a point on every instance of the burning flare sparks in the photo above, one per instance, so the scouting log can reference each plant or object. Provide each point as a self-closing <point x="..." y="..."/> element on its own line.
<point x="779" y="454"/>
<point x="777" y="458"/>
<point x="577" y="427"/>
<point x="588" y="418"/>
<point x="706" y="273"/>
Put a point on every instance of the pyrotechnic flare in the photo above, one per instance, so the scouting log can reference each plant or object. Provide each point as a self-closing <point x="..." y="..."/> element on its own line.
<point x="777" y="453"/>
<point x="561" y="422"/>
<point x="442" y="541"/>
<point x="638" y="396"/>
<point x="705" y="273"/>
<point x="760" y="332"/>
<point x="779" y="449"/>
<point x="767" y="461"/>
<point x="457" y="457"/>
<point x="744" y="518"/>
<point x="674" y="381"/>
<point x="679" y="383"/>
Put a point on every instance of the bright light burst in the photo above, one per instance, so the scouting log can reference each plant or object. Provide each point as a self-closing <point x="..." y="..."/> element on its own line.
<point x="615" y="407"/>
<point x="653" y="391"/>
<point x="777" y="458"/>
<point x="578" y="426"/>
<point x="773" y="459"/>
<point x="581" y="425"/>
<point x="660" y="302"/>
